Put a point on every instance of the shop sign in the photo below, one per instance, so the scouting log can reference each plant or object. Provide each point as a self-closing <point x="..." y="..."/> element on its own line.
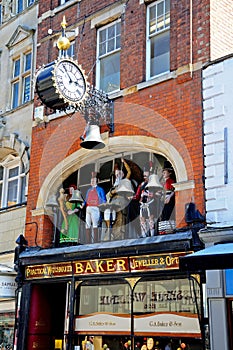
<point x="49" y="270"/>
<point x="155" y="262"/>
<point x="179" y="324"/>
<point x="101" y="266"/>
<point x="106" y="266"/>
<point x="104" y="323"/>
<point x="7" y="286"/>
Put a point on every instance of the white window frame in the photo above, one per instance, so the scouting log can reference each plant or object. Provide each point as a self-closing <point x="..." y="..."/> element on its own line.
<point x="165" y="29"/>
<point x="107" y="54"/>
<point x="9" y="163"/>
<point x="24" y="4"/>
<point x="1" y="13"/>
<point x="62" y="2"/>
<point x="23" y="96"/>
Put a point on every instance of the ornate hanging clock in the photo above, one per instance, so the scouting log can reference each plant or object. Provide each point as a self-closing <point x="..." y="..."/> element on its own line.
<point x="61" y="83"/>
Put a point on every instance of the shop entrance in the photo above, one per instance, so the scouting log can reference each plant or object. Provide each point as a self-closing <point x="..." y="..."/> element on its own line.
<point x="152" y="314"/>
<point x="46" y="316"/>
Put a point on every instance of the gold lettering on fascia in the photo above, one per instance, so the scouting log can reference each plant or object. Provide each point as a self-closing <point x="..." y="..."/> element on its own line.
<point x="150" y="262"/>
<point x="101" y="266"/>
<point x="48" y="271"/>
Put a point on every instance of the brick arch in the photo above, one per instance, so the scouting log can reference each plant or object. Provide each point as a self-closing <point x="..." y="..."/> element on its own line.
<point x="114" y="145"/>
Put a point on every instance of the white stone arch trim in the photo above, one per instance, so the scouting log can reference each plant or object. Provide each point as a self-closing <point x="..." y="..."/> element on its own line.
<point x="114" y="145"/>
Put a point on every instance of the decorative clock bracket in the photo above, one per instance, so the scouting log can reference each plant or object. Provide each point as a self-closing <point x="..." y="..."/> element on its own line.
<point x="62" y="85"/>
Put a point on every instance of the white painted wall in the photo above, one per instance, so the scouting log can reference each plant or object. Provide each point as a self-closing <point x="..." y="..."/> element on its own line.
<point x="218" y="142"/>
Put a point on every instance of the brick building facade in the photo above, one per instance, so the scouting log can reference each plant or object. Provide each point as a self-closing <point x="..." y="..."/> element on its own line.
<point x="148" y="57"/>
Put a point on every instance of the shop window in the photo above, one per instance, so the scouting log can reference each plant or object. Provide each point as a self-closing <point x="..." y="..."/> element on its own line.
<point x="12" y="182"/>
<point x="157" y="311"/>
<point x="7" y="321"/>
<point x="158" y="38"/>
<point x="21" y="80"/>
<point x="108" y="57"/>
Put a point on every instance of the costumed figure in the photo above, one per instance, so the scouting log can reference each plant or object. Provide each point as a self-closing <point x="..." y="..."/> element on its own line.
<point x="70" y="226"/>
<point x="119" y="197"/>
<point x="169" y="201"/>
<point x="148" y="196"/>
<point x="95" y="196"/>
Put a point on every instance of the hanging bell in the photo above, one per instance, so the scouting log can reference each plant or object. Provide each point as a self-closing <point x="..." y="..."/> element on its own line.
<point x="125" y="188"/>
<point x="52" y="201"/>
<point x="76" y="197"/>
<point x="154" y="183"/>
<point x="93" y="139"/>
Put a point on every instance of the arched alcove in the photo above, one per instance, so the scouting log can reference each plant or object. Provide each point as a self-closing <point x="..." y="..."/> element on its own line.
<point x="115" y="145"/>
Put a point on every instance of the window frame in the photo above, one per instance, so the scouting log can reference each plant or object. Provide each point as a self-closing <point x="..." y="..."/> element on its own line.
<point x="154" y="35"/>
<point x="21" y="5"/>
<point x="62" y="2"/>
<point x="19" y="79"/>
<point x="9" y="163"/>
<point x="101" y="57"/>
<point x="1" y="14"/>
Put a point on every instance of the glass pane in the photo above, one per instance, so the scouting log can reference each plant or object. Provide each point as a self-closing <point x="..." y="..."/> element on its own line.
<point x="118" y="28"/>
<point x="102" y="35"/>
<point x="167" y="6"/>
<point x="0" y="195"/>
<point x="160" y="9"/>
<point x="152" y="13"/>
<point x="0" y="13"/>
<point x="12" y="192"/>
<point x="141" y="159"/>
<point x="111" y="32"/>
<point x="105" y="170"/>
<point x="85" y="174"/>
<point x="20" y="6"/>
<point x="111" y="297"/>
<point x="175" y="295"/>
<point x="23" y="198"/>
<point x="70" y="51"/>
<point x="160" y="54"/>
<point x="111" y="45"/>
<point x="27" y="89"/>
<point x="30" y="2"/>
<point x="102" y="42"/>
<point x="13" y="172"/>
<point x="16" y="68"/>
<point x="15" y="95"/>
<point x="102" y="48"/>
<point x="118" y="42"/>
<point x="110" y="73"/>
<point x="1" y="172"/>
<point x="27" y="61"/>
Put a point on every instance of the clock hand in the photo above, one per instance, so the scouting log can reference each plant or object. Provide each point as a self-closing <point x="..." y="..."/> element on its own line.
<point x="77" y="84"/>
<point x="67" y="73"/>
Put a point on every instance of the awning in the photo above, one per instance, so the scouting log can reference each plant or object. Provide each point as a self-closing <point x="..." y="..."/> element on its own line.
<point x="216" y="257"/>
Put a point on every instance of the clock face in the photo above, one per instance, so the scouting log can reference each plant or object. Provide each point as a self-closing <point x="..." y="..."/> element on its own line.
<point x="70" y="81"/>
